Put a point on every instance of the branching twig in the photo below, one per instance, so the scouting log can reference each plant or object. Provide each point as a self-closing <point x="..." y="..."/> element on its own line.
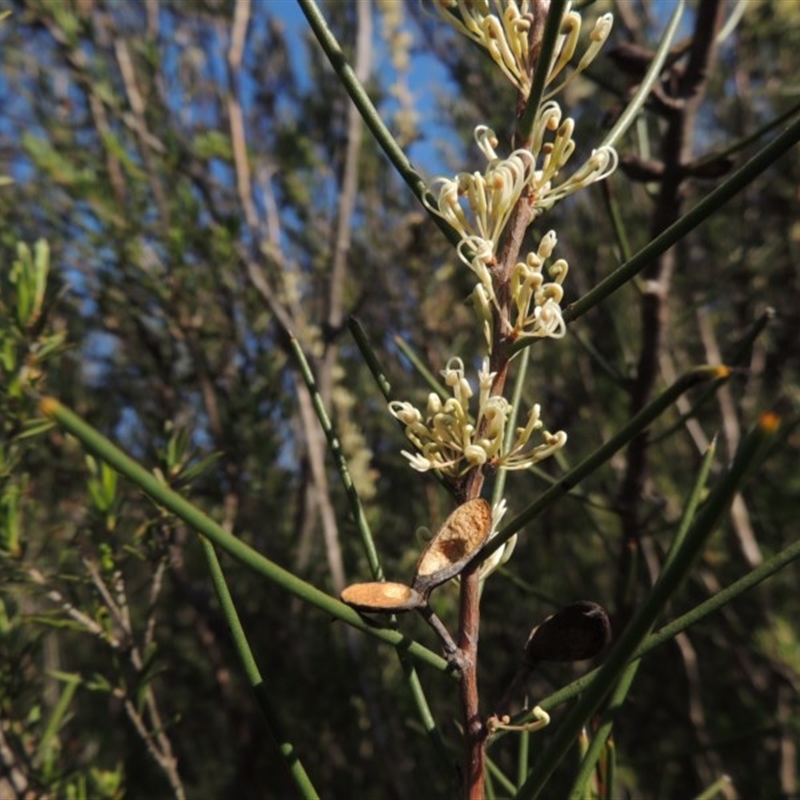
<point x="676" y="150"/>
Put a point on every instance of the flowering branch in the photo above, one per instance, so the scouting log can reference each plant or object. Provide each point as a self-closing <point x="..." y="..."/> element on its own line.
<point x="517" y="296"/>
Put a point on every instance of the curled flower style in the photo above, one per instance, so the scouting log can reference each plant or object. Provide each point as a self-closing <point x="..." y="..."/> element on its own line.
<point x="447" y="440"/>
<point x="538" y="303"/>
<point x="478" y="255"/>
<point x="487" y="141"/>
<point x="504" y="29"/>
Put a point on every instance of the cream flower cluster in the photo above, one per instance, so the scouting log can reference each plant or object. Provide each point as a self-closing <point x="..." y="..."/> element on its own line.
<point x="536" y="303"/>
<point x="478" y="205"/>
<point x="503" y="28"/>
<point x="506" y="29"/>
<point x="490" y="197"/>
<point x="448" y="440"/>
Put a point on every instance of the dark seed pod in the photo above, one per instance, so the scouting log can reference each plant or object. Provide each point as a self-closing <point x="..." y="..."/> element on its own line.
<point x="454" y="545"/>
<point x="382" y="596"/>
<point x="576" y="632"/>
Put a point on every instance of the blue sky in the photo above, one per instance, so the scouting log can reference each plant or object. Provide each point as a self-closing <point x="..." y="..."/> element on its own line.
<point x="426" y="77"/>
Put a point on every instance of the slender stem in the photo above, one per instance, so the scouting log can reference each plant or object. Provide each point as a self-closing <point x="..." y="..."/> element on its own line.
<point x="552" y="29"/>
<point x="692" y="504"/>
<point x="55" y="722"/>
<point x="611" y="769"/>
<point x="369" y="356"/>
<point x="741" y="144"/>
<point x="523" y="757"/>
<point x="652" y="75"/>
<point x="521" y="362"/>
<point x="474" y="728"/>
<point x="715" y="789"/>
<point x="711" y="203"/>
<point x="370" y="114"/>
<point x="446" y="757"/>
<point x="335" y="445"/>
<point x="428" y="614"/>
<point x="420" y="367"/>
<point x="497" y="774"/>
<point x="276" y="728"/>
<point x="600" y="737"/>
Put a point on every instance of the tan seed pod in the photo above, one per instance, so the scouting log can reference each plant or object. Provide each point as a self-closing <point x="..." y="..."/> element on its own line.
<point x="381" y="596"/>
<point x="454" y="545"/>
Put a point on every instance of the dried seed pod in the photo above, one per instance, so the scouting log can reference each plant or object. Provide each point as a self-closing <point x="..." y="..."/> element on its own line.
<point x="454" y="545"/>
<point x="382" y="596"/>
<point x="576" y="632"/>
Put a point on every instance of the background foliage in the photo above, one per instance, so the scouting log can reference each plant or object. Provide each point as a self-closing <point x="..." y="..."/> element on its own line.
<point x="178" y="265"/>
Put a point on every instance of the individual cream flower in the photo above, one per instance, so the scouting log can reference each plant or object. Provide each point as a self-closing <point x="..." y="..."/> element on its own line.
<point x="520" y="456"/>
<point x="447" y="440"/>
<point x="478" y="255"/>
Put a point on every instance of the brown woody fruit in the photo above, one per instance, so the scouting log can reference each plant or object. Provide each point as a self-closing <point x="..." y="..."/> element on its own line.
<point x="453" y="546"/>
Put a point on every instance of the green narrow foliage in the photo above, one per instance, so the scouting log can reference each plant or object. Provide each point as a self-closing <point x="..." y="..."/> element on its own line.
<point x="172" y="501"/>
<point x="750" y="454"/>
<point x="272" y="717"/>
<point x="646" y="416"/>
<point x="56" y="720"/>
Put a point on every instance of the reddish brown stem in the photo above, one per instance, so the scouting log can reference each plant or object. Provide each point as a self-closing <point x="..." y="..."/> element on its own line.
<point x="474" y="727"/>
<point x="475" y="730"/>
